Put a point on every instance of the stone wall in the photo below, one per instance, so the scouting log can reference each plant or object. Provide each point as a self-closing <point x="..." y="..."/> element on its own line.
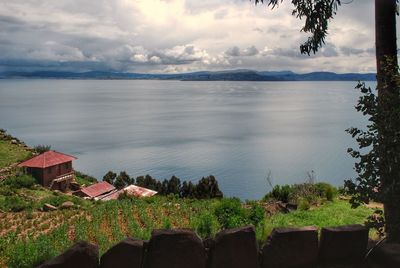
<point x="343" y="246"/>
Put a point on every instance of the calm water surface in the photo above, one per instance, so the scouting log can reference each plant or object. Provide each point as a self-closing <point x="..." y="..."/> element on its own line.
<point x="236" y="131"/>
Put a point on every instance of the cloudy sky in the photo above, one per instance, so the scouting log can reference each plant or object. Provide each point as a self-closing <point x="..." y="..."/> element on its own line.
<point x="176" y="36"/>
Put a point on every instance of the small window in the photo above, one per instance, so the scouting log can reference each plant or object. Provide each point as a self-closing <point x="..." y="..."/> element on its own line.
<point x="49" y="170"/>
<point x="66" y="165"/>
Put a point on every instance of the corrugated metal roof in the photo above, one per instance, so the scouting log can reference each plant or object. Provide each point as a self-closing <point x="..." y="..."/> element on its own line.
<point x="97" y="189"/>
<point x="131" y="190"/>
<point x="47" y="159"/>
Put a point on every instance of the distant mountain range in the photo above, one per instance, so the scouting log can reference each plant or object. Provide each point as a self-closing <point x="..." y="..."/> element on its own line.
<point x="231" y="75"/>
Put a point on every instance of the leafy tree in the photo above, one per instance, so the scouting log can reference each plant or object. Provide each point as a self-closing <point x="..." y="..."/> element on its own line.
<point x="188" y="190"/>
<point x="164" y="187"/>
<point x="208" y="188"/>
<point x="174" y="185"/>
<point x="110" y="177"/>
<point x="191" y="191"/>
<point x="150" y="182"/>
<point x="158" y="187"/>
<point x="123" y="180"/>
<point x="378" y="169"/>
<point x="184" y="190"/>
<point x="140" y="181"/>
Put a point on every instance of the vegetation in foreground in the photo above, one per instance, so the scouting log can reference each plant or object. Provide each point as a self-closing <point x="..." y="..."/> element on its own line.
<point x="30" y="237"/>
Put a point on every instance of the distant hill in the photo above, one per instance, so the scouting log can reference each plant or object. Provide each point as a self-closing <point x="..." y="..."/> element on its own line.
<point x="230" y="75"/>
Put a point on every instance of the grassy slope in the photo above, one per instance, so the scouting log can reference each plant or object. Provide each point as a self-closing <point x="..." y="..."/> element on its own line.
<point x="107" y="223"/>
<point x="11" y="153"/>
<point x="331" y="214"/>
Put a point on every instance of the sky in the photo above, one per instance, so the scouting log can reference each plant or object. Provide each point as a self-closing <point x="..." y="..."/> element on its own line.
<point x="169" y="36"/>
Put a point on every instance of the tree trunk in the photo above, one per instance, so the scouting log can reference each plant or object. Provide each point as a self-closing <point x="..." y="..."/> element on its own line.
<point x="385" y="34"/>
<point x="386" y="55"/>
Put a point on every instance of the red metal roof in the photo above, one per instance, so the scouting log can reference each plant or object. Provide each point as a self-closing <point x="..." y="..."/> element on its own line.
<point x="131" y="190"/>
<point x="47" y="159"/>
<point x="97" y="189"/>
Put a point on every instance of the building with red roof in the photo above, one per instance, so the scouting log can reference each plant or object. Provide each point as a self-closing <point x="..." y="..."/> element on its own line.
<point x="95" y="190"/>
<point x="130" y="190"/>
<point x="52" y="169"/>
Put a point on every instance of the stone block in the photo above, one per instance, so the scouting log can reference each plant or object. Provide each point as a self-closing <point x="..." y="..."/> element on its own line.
<point x="234" y="248"/>
<point x="127" y="253"/>
<point x="179" y="248"/>
<point x="346" y="244"/>
<point x="290" y="248"/>
<point x="80" y="255"/>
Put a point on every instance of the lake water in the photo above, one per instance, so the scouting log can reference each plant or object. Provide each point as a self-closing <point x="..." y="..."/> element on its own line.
<point x="237" y="131"/>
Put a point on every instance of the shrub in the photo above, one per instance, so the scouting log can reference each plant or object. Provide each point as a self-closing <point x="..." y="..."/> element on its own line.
<point x="6" y="190"/>
<point x="24" y="181"/>
<point x="57" y="199"/>
<point x="15" y="204"/>
<point x="230" y="213"/>
<point x="280" y="193"/>
<point x="256" y="214"/>
<point x="41" y="148"/>
<point x="206" y="225"/>
<point x="325" y="190"/>
<point x="329" y="194"/>
<point x="304" y="204"/>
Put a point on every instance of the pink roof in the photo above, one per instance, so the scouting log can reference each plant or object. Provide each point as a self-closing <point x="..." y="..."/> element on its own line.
<point x="47" y="159"/>
<point x="97" y="189"/>
<point x="131" y="190"/>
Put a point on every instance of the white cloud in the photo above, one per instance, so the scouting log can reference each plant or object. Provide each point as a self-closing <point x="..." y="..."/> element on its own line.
<point x="171" y="35"/>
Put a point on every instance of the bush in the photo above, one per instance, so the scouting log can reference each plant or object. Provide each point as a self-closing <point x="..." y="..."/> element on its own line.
<point x="15" y="204"/>
<point x="41" y="148"/>
<point x="24" y="181"/>
<point x="295" y="193"/>
<point x="230" y="213"/>
<point x="303" y="204"/>
<point x="6" y="190"/>
<point x="206" y="225"/>
<point x="256" y="214"/>
<point x="325" y="190"/>
<point x="280" y="193"/>
<point x="57" y="199"/>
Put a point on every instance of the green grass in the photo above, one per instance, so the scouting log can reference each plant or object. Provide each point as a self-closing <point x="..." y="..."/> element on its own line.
<point x="83" y="181"/>
<point x="334" y="213"/>
<point x="11" y="153"/>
